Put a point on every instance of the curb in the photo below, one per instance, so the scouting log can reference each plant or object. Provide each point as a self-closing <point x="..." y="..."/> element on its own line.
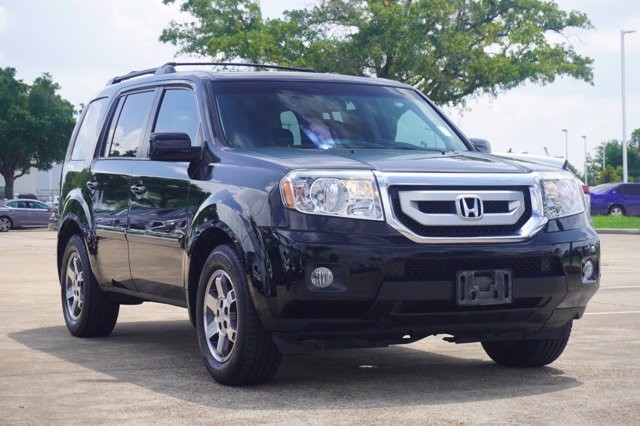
<point x="618" y="231"/>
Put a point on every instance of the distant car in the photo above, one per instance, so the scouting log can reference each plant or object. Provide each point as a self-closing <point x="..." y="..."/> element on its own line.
<point x="21" y="212"/>
<point x="616" y="199"/>
<point x="54" y="215"/>
<point x="25" y="197"/>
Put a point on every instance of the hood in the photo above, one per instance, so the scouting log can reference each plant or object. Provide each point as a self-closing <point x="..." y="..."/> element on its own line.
<point x="390" y="160"/>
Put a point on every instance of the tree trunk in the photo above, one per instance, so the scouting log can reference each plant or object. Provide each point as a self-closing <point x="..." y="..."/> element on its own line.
<point x="8" y="185"/>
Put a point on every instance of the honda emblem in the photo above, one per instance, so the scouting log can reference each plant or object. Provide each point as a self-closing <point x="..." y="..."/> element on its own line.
<point x="469" y="207"/>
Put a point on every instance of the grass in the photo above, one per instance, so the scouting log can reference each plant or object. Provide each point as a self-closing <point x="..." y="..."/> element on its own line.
<point x="617" y="222"/>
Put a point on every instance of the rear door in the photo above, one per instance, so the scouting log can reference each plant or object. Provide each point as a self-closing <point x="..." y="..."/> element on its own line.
<point x="110" y="181"/>
<point x="39" y="213"/>
<point x="159" y="209"/>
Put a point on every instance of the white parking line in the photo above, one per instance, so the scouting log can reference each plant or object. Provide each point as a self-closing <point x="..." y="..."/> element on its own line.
<point x="617" y="287"/>
<point x="612" y="313"/>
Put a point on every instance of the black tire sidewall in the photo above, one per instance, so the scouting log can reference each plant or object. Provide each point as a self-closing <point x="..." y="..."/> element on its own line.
<point x="223" y="258"/>
<point x="76" y="245"/>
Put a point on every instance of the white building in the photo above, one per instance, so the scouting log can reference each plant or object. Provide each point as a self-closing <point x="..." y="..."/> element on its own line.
<point x="43" y="184"/>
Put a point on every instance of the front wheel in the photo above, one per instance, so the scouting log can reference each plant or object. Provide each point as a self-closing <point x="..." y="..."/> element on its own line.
<point x="87" y="312"/>
<point x="5" y="224"/>
<point x="616" y="211"/>
<point x="236" y="349"/>
<point x="528" y="353"/>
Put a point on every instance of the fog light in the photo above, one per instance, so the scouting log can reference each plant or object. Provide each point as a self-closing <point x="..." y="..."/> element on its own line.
<point x="321" y="277"/>
<point x="588" y="271"/>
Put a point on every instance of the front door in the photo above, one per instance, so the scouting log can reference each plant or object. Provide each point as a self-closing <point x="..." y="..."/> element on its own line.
<point x="159" y="212"/>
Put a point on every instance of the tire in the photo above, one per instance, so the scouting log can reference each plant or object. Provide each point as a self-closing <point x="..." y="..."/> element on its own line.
<point x="235" y="347"/>
<point x="87" y="312"/>
<point x="5" y="224"/>
<point x="616" y="211"/>
<point x="527" y="353"/>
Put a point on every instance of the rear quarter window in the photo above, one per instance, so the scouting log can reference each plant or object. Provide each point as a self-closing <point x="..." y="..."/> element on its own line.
<point x="89" y="130"/>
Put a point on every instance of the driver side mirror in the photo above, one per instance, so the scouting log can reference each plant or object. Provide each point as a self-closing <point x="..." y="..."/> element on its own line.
<point x="173" y="147"/>
<point x="481" y="145"/>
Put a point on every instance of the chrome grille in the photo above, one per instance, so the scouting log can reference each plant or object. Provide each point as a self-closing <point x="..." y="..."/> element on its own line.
<point x="462" y="207"/>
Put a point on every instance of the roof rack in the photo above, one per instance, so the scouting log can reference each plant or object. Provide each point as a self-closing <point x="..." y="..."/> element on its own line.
<point x="169" y="68"/>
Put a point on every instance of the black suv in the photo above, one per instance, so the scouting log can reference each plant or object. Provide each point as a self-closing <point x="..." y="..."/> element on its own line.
<point x="291" y="211"/>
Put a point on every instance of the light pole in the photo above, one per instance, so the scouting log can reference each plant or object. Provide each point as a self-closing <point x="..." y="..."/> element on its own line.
<point x="566" y="144"/>
<point x="586" y="179"/>
<point x="625" y="172"/>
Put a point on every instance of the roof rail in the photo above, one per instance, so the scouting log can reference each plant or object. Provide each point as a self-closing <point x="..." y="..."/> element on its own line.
<point x="169" y="68"/>
<point x="239" y="64"/>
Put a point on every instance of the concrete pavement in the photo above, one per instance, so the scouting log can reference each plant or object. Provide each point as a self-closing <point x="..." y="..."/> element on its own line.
<point x="149" y="369"/>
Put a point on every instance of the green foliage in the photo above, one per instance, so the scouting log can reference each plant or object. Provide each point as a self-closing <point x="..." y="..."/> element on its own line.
<point x="35" y="126"/>
<point x="612" y="152"/>
<point x="635" y="138"/>
<point x="616" y="222"/>
<point x="449" y="49"/>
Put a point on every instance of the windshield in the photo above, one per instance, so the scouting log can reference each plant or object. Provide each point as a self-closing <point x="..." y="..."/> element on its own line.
<point x="330" y="115"/>
<point x="601" y="189"/>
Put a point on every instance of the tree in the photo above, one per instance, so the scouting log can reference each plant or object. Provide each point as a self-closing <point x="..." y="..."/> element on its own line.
<point x="635" y="138"/>
<point x="449" y="49"/>
<point x="35" y="126"/>
<point x="612" y="152"/>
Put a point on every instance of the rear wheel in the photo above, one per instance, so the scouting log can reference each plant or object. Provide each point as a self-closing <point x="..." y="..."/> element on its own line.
<point x="87" y="312"/>
<point x="616" y="211"/>
<point x="236" y="348"/>
<point x="5" y="224"/>
<point x="528" y="353"/>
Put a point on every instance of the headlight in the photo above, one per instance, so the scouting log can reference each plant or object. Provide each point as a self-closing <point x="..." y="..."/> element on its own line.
<point x="561" y="195"/>
<point x="333" y="193"/>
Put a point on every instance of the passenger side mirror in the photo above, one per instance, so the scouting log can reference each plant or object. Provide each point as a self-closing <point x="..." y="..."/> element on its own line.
<point x="172" y="147"/>
<point x="481" y="145"/>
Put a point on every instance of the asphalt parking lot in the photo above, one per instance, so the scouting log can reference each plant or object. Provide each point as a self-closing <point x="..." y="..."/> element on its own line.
<point x="149" y="370"/>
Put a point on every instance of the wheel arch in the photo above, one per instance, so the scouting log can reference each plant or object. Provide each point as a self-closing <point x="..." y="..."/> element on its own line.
<point x="74" y="219"/>
<point x="207" y="240"/>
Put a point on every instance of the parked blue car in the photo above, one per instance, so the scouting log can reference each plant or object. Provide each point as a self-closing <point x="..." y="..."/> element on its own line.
<point x="616" y="199"/>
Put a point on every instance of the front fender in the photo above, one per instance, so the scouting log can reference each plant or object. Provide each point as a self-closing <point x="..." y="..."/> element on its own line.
<point x="225" y="212"/>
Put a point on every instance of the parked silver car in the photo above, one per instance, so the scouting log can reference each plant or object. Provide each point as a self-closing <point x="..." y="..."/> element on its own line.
<point x="19" y="213"/>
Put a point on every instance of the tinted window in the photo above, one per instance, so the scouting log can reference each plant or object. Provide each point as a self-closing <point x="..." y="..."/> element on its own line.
<point x="130" y="124"/>
<point x="178" y="114"/>
<point x="330" y="115"/>
<point x="632" y="189"/>
<point x="18" y="204"/>
<point x="38" y="205"/>
<point x="601" y="189"/>
<point x="89" y="128"/>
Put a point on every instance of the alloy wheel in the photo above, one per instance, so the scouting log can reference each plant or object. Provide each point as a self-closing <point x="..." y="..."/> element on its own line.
<point x="5" y="224"/>
<point x="220" y="315"/>
<point x="74" y="287"/>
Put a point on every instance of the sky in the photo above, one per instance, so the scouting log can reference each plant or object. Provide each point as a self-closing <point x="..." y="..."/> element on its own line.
<point x="83" y="43"/>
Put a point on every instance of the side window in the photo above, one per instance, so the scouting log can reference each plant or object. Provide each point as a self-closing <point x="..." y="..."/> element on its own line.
<point x="632" y="189"/>
<point x="37" y="205"/>
<point x="128" y="127"/>
<point x="178" y="114"/>
<point x="414" y="130"/>
<point x="13" y="204"/>
<point x="87" y="136"/>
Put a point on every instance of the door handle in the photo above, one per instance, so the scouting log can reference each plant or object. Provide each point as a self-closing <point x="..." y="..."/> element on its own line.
<point x="92" y="185"/>
<point x="138" y="190"/>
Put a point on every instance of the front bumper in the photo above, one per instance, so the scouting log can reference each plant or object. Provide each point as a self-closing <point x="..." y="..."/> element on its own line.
<point x="392" y="290"/>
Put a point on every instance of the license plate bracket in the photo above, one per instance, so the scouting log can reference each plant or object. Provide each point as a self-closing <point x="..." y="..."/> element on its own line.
<point x="484" y="287"/>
